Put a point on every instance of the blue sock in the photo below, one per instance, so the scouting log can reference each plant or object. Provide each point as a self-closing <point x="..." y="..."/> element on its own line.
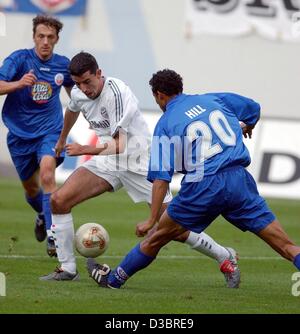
<point x="297" y="261"/>
<point x="134" y="261"/>
<point x="36" y="202"/>
<point x="47" y="210"/>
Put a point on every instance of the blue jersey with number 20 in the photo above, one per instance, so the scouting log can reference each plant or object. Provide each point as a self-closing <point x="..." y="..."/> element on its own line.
<point x="200" y="135"/>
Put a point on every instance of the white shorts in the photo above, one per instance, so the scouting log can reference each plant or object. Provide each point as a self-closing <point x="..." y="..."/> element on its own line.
<point x="136" y="185"/>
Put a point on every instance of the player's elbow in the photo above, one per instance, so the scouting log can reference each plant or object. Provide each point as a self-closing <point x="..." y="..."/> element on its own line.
<point x="2" y="88"/>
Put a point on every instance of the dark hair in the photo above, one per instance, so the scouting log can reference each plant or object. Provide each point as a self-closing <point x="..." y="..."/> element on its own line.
<point x="48" y="21"/>
<point x="166" y="81"/>
<point x="82" y="63"/>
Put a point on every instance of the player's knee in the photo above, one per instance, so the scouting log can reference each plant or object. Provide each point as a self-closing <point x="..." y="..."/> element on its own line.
<point x="47" y="178"/>
<point x="58" y="204"/>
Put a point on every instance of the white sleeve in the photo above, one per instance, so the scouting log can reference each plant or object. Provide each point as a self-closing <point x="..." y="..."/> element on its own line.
<point x="123" y="108"/>
<point x="74" y="104"/>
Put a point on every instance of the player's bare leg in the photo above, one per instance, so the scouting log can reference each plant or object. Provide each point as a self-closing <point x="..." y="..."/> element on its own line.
<point x="276" y="237"/>
<point x="167" y="230"/>
<point x="47" y="179"/>
<point x="203" y="243"/>
<point x="47" y="173"/>
<point x="80" y="186"/>
<point x="139" y="257"/>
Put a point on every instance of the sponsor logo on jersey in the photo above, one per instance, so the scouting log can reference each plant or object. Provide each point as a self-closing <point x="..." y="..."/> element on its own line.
<point x="45" y="69"/>
<point x="100" y="124"/>
<point x="41" y="92"/>
<point x="59" y="79"/>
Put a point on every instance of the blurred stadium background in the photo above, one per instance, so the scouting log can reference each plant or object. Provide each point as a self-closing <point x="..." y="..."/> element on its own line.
<point x="231" y="46"/>
<point x="250" y="47"/>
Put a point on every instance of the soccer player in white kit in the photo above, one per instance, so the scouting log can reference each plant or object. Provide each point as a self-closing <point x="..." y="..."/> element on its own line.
<point x="119" y="160"/>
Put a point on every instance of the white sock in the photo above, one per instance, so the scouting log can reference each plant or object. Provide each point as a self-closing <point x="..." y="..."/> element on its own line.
<point x="204" y="244"/>
<point x="49" y="233"/>
<point x="63" y="232"/>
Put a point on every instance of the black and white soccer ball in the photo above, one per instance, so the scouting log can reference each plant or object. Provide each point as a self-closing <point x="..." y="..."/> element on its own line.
<point x="91" y="240"/>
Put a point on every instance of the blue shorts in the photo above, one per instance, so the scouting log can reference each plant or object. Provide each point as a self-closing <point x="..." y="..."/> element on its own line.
<point x="231" y="193"/>
<point x="27" y="154"/>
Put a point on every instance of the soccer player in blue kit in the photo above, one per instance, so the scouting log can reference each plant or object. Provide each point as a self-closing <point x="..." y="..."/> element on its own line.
<point x="207" y="138"/>
<point x="32" y="80"/>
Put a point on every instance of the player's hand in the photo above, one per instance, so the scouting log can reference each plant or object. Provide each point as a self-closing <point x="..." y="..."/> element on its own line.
<point x="27" y="80"/>
<point x="142" y="228"/>
<point x="247" y="129"/>
<point x="75" y="149"/>
<point x="59" y="147"/>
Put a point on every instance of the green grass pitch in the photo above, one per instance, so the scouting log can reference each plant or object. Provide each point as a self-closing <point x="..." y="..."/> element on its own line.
<point x="180" y="281"/>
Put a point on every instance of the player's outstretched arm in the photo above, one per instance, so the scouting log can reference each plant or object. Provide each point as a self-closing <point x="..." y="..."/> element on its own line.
<point x="76" y="149"/>
<point x="159" y="191"/>
<point x="8" y="87"/>
<point x="115" y="146"/>
<point x="27" y="80"/>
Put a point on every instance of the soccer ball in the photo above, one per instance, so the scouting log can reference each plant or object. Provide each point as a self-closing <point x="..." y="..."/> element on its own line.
<point x="91" y="240"/>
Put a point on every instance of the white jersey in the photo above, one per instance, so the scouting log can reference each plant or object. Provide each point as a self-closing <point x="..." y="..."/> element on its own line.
<point x="116" y="108"/>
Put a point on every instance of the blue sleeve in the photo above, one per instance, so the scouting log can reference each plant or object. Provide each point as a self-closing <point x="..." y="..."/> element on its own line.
<point x="9" y="68"/>
<point x="68" y="82"/>
<point x="161" y="165"/>
<point x="245" y="109"/>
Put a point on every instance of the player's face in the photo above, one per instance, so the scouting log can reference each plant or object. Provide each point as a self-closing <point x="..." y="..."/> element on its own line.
<point x="90" y="84"/>
<point x="159" y="98"/>
<point x="45" y="39"/>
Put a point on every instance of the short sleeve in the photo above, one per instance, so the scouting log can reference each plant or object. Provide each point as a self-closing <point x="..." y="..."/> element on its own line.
<point x="124" y="105"/>
<point x="245" y="109"/>
<point x="68" y="82"/>
<point x="9" y="68"/>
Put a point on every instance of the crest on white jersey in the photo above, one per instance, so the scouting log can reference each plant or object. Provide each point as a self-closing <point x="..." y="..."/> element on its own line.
<point x="104" y="112"/>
